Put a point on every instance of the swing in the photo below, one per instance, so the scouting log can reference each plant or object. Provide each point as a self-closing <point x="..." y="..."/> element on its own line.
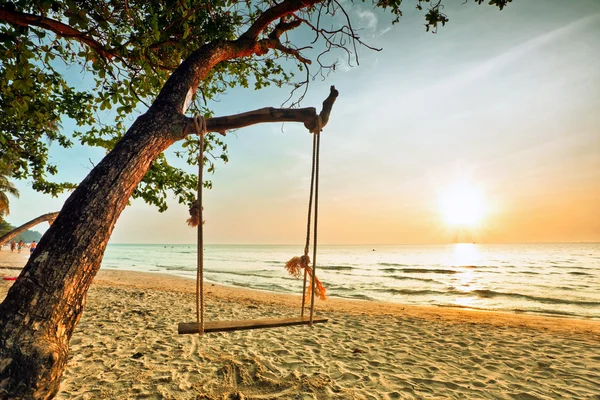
<point x="293" y="266"/>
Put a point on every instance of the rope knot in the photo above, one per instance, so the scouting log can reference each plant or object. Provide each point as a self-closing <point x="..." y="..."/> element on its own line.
<point x="318" y="125"/>
<point x="199" y="124"/>
<point x="195" y="207"/>
<point x="305" y="259"/>
<point x="194" y="210"/>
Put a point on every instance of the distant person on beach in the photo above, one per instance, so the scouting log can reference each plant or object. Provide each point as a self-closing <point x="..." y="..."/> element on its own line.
<point x="12" y="246"/>
<point x="32" y="247"/>
<point x="20" y="246"/>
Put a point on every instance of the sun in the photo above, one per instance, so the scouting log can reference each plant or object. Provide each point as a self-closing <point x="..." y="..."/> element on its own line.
<point x="462" y="206"/>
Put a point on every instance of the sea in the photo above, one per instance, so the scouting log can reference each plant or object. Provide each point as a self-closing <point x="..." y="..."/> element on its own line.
<point x="560" y="280"/>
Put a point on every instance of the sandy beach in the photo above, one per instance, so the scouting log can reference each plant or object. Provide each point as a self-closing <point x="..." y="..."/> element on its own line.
<point x="127" y="346"/>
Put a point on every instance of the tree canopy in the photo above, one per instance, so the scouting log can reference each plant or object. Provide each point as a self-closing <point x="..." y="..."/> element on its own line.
<point x="127" y="50"/>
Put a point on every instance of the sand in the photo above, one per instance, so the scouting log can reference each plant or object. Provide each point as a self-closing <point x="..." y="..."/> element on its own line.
<point x="126" y="347"/>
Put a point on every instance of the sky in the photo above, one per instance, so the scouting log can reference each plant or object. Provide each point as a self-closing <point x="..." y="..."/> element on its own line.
<point x="488" y="131"/>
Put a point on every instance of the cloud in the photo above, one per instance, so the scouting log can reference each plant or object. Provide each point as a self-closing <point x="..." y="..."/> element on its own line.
<point x="343" y="65"/>
<point x="368" y="19"/>
<point x="385" y="30"/>
<point x="501" y="63"/>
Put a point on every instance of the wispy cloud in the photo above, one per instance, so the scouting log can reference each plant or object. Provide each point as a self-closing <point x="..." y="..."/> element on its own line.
<point x="518" y="51"/>
<point x="343" y="65"/>
<point x="385" y="30"/>
<point x="368" y="19"/>
<point x="509" y="58"/>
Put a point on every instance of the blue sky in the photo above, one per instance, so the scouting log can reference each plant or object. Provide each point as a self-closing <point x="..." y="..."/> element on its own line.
<point x="502" y="103"/>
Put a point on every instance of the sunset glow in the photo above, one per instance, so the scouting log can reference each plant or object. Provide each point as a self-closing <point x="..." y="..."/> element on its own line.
<point x="462" y="206"/>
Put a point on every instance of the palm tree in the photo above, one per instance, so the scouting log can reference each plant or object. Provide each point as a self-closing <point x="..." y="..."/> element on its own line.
<point x="6" y="187"/>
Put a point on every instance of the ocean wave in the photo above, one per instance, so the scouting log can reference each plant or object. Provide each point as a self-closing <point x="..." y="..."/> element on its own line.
<point x="325" y="267"/>
<point x="420" y="271"/>
<point x="569" y="288"/>
<point x="357" y="296"/>
<point x="485" y="293"/>
<point x="517" y="310"/>
<point x="339" y="288"/>
<point x="362" y="297"/>
<point x="548" y="312"/>
<point x="410" y="278"/>
<point x="353" y="274"/>
<point x="249" y="274"/>
<point x="176" y="267"/>
<point x="411" y="292"/>
<point x="268" y="287"/>
<point x="579" y="273"/>
<point x="393" y="265"/>
<point x="337" y="268"/>
<point x="492" y="267"/>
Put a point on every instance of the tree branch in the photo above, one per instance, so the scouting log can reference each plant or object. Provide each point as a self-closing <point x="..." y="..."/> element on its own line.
<point x="183" y="83"/>
<point x="60" y="29"/>
<point x="276" y="12"/>
<point x="50" y="217"/>
<point x="283" y="27"/>
<point x="306" y="115"/>
<point x="267" y="44"/>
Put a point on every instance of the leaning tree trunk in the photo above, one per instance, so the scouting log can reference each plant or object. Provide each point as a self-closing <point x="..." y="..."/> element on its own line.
<point x="44" y="305"/>
<point x="50" y="217"/>
<point x="42" y="308"/>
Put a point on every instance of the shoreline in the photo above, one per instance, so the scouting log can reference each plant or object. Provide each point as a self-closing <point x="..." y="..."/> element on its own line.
<point x="473" y="277"/>
<point x="156" y="281"/>
<point x="12" y="262"/>
<point x="126" y="346"/>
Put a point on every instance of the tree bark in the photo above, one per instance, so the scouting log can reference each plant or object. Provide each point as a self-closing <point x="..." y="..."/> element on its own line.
<point x="42" y="308"/>
<point x="15" y="232"/>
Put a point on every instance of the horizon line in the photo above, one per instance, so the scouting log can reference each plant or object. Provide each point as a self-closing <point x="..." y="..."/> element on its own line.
<point x="355" y="244"/>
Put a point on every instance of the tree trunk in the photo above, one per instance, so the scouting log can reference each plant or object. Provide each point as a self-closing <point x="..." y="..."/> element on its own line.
<point x="15" y="232"/>
<point x="44" y="305"/>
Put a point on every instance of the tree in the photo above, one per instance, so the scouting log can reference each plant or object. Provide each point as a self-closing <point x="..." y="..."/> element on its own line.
<point x="14" y="232"/>
<point x="6" y="188"/>
<point x="169" y="54"/>
<point x="5" y="227"/>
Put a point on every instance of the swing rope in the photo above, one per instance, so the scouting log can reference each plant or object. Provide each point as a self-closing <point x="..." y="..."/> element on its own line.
<point x="304" y="261"/>
<point x="315" y="178"/>
<point x="200" y="125"/>
<point x="296" y="263"/>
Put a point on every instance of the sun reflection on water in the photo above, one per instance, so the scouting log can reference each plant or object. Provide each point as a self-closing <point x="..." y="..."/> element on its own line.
<point x="465" y="256"/>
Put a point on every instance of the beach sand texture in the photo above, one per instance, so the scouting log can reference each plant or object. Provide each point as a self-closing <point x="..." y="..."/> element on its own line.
<point x="126" y="346"/>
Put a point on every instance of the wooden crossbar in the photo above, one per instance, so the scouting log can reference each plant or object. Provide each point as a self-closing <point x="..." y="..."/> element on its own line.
<point x="230" y="326"/>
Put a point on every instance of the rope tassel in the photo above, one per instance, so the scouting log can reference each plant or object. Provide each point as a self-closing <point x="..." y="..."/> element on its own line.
<point x="194" y="219"/>
<point x="295" y="266"/>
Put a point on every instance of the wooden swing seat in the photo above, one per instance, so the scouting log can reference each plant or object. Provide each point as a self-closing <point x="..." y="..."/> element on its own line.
<point x="185" y="328"/>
